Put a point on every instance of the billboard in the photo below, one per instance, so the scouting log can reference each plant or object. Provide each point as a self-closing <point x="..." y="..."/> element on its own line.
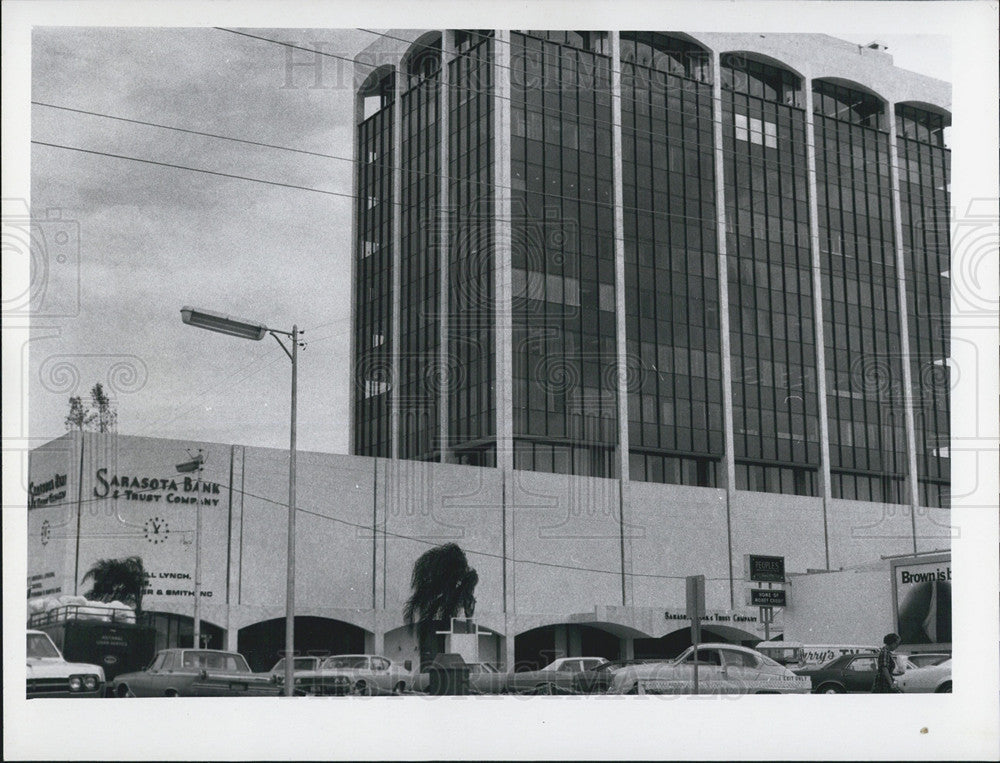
<point x="921" y="589"/>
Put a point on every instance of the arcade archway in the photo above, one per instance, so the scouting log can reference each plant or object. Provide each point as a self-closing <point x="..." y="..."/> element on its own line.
<point x="263" y="643"/>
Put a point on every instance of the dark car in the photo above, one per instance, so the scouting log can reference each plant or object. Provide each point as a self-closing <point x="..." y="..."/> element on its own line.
<point x="849" y="673"/>
<point x="196" y="673"/>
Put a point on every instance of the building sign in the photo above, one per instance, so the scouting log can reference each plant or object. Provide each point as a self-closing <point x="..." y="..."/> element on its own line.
<point x="921" y="587"/>
<point x="729" y="617"/>
<point x="42" y="585"/>
<point x="47" y="493"/>
<point x="767" y="597"/>
<point x="765" y="569"/>
<point x="155" y="489"/>
<point x="174" y="584"/>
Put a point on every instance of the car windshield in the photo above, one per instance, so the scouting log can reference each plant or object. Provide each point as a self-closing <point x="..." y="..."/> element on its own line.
<point x="346" y="663"/>
<point x="40" y="646"/>
<point x="768" y="661"/>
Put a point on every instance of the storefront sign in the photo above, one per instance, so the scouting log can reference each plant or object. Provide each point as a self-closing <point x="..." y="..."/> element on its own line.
<point x="714" y="617"/>
<point x="48" y="492"/>
<point x="170" y="584"/>
<point x="155" y="489"/>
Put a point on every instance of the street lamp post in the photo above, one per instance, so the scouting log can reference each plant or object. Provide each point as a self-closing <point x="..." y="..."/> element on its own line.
<point x="226" y="324"/>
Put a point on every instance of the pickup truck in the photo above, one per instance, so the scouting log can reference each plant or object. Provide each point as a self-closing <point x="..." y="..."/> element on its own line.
<point x="49" y="675"/>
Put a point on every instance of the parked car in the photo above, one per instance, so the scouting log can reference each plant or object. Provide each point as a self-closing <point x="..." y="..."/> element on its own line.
<point x="486" y="678"/>
<point x="49" y="675"/>
<point x="722" y="669"/>
<point x="301" y="663"/>
<point x="554" y="678"/>
<point x="196" y="673"/>
<point x="849" y="673"/>
<point x="925" y="659"/>
<point x="598" y="680"/>
<point x="928" y="679"/>
<point x="364" y="674"/>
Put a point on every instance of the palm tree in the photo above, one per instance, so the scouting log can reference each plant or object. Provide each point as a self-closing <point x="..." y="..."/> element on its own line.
<point x="118" y="579"/>
<point x="442" y="584"/>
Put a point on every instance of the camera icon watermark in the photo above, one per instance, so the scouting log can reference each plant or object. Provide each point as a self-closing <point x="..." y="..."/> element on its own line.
<point x="49" y="245"/>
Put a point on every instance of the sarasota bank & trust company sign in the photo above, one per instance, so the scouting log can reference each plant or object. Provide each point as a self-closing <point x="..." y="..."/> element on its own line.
<point x="155" y="489"/>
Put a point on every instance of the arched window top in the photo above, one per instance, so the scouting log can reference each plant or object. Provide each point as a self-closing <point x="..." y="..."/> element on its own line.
<point x="749" y="74"/>
<point x="920" y="121"/>
<point x="667" y="53"/>
<point x="423" y="59"/>
<point x="378" y="90"/>
<point x="849" y="102"/>
<point x="595" y="42"/>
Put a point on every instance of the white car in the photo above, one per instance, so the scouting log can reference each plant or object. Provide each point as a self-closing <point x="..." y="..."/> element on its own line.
<point x="722" y="669"/>
<point x="364" y="674"/>
<point x="49" y="675"/>
<point x="927" y="680"/>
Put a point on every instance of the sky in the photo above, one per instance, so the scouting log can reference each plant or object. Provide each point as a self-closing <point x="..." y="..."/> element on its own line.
<point x="146" y="239"/>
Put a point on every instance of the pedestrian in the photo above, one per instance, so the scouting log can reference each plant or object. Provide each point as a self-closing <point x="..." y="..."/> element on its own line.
<point x="886" y="666"/>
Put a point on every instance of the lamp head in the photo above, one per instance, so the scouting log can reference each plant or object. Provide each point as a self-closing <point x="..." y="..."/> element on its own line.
<point x="223" y="324"/>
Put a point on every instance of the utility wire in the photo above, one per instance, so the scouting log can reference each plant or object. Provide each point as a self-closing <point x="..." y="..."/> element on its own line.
<point x="192" y="169"/>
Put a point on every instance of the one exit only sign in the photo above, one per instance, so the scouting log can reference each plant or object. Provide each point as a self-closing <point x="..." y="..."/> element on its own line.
<point x="765" y="569"/>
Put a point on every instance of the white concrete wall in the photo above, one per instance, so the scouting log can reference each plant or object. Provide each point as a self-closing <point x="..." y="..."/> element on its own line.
<point x="848" y="607"/>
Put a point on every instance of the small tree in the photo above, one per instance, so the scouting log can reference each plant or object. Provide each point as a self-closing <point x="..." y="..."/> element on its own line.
<point x="100" y="415"/>
<point x="118" y="580"/>
<point x="79" y="417"/>
<point x="107" y="417"/>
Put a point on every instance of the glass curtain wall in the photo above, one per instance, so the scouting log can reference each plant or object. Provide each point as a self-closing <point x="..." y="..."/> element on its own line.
<point x="865" y="401"/>
<point x="419" y="298"/>
<point x="775" y="403"/>
<point x="471" y="361"/>
<point x="671" y="255"/>
<point x="564" y="346"/>
<point x="373" y="282"/>
<point x="924" y="170"/>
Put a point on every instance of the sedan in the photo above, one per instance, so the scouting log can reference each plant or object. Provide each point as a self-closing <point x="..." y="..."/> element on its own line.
<point x="554" y="678"/>
<point x="849" y="673"/>
<point x="722" y="669"/>
<point x="598" y="680"/>
<point x="195" y="673"/>
<point x="929" y="679"/>
<point x="363" y="674"/>
<point x="301" y="663"/>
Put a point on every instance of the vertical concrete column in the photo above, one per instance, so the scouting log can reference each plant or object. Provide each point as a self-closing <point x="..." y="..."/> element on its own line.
<point x="561" y="639"/>
<point x="724" y="343"/>
<point x="504" y="328"/>
<point x="352" y="421"/>
<point x="904" y="328"/>
<point x="397" y="258"/>
<point x="444" y="310"/>
<point x="817" y="287"/>
<point x="620" y="336"/>
<point x="626" y="647"/>
<point x="508" y="643"/>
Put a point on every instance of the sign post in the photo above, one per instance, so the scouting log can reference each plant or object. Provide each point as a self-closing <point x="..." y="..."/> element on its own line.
<point x="695" y="585"/>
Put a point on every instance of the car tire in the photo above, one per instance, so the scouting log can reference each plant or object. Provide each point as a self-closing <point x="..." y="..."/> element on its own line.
<point x="124" y="692"/>
<point x="362" y="689"/>
<point x="399" y="688"/>
<point x="830" y="689"/>
<point x="944" y="688"/>
<point x="171" y="693"/>
<point x="544" y="689"/>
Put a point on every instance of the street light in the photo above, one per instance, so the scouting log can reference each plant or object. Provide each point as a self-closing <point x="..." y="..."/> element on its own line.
<point x="226" y="324"/>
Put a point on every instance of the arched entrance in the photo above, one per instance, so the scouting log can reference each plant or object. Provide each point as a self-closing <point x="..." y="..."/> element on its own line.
<point x="263" y="643"/>
<point x="537" y="647"/>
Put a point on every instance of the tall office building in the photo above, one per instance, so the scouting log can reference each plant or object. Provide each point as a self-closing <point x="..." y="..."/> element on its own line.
<point x="700" y="259"/>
